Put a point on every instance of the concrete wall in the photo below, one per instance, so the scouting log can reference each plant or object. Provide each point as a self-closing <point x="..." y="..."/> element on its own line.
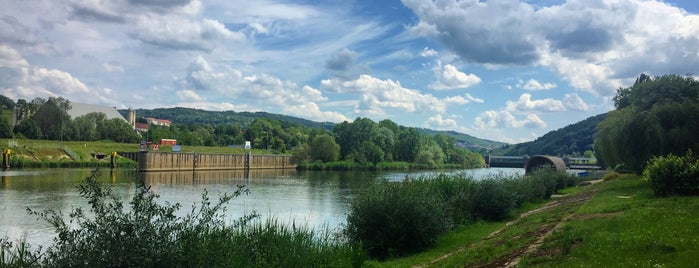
<point x="157" y="161"/>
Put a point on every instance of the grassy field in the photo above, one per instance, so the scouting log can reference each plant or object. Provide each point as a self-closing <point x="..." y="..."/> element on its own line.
<point x="618" y="223"/>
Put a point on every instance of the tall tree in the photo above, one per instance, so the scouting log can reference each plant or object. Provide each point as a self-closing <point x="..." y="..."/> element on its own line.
<point x="52" y="116"/>
<point x="654" y="117"/>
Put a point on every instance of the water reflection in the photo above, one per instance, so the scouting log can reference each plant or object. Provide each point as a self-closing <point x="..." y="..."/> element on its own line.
<point x="319" y="199"/>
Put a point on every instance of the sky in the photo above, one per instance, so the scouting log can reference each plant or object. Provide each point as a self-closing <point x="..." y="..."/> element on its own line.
<point x="502" y="70"/>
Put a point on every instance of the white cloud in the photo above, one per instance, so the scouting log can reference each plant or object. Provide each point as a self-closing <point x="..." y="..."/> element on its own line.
<point x="525" y="103"/>
<point x="428" y="52"/>
<point x="574" y="102"/>
<point x="187" y="34"/>
<point x="376" y="96"/>
<point x="266" y="90"/>
<point x="439" y="123"/>
<point x="504" y="119"/>
<point x="535" y="85"/>
<point x="596" y="46"/>
<point x="462" y="100"/>
<point x="188" y="95"/>
<point x="113" y="67"/>
<point x="451" y="78"/>
<point x="24" y="81"/>
<point x="311" y="111"/>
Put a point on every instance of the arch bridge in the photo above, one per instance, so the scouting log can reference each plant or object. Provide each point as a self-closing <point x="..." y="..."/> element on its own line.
<point x="557" y="163"/>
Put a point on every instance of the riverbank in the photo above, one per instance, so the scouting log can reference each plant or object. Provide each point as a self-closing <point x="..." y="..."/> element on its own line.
<point x="618" y="223"/>
<point x="25" y="153"/>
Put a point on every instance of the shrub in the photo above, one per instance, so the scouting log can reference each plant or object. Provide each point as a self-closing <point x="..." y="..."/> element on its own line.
<point x="673" y="175"/>
<point x="491" y="200"/>
<point x="392" y="219"/>
<point x="610" y="176"/>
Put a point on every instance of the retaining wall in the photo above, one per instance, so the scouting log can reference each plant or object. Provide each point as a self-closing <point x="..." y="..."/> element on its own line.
<point x="157" y="161"/>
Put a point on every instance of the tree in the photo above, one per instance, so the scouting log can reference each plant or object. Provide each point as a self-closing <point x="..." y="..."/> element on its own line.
<point x="323" y="148"/>
<point x="52" y="116"/>
<point x="655" y="117"/>
<point x="28" y="129"/>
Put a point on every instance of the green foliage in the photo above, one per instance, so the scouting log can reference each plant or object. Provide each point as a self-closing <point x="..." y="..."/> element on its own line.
<point x="147" y="233"/>
<point x="393" y="219"/>
<point x="673" y="175"/>
<point x="28" y="129"/>
<point x="656" y="116"/>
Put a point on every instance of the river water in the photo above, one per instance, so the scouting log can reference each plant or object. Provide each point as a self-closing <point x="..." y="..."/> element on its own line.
<point x="317" y="199"/>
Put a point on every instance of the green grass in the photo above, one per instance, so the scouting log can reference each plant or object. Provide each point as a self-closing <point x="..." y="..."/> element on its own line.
<point x="624" y="225"/>
<point x="50" y="153"/>
<point x="447" y="243"/>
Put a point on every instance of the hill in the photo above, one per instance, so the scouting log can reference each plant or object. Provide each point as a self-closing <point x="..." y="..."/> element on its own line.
<point x="466" y="141"/>
<point x="182" y="115"/>
<point x="572" y="139"/>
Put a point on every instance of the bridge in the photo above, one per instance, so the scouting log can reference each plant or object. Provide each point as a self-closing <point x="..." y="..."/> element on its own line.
<point x="527" y="162"/>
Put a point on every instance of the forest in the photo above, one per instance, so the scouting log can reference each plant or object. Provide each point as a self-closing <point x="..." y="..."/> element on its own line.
<point x="362" y="141"/>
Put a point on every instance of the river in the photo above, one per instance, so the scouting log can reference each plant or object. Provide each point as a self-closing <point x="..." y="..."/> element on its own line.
<point x="317" y="199"/>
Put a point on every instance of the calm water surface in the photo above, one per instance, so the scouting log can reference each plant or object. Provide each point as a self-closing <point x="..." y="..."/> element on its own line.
<point x="313" y="198"/>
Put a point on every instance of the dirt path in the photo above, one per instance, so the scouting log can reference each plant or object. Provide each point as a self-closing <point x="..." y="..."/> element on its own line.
<point x="565" y="203"/>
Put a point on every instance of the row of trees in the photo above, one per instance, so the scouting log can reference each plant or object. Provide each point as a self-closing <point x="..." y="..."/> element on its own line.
<point x="362" y="141"/>
<point x="365" y="141"/>
<point x="654" y="117"/>
<point x="49" y="119"/>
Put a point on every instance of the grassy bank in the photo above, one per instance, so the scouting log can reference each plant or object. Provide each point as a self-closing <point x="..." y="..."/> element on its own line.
<point x="80" y="154"/>
<point x="622" y="225"/>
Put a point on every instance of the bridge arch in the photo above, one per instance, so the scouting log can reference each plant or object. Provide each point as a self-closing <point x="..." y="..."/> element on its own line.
<point x="542" y="161"/>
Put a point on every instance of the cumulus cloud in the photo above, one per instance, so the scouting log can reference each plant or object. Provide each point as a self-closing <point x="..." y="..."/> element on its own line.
<point x="20" y="80"/>
<point x="574" y="102"/>
<point x="504" y="119"/>
<point x="596" y="46"/>
<point x="525" y="103"/>
<point x="376" y="96"/>
<point x="437" y="122"/>
<point x="450" y="77"/>
<point x="207" y="81"/>
<point x="535" y="85"/>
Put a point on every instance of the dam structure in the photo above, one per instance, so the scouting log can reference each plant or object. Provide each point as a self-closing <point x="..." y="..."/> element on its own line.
<point x="164" y="161"/>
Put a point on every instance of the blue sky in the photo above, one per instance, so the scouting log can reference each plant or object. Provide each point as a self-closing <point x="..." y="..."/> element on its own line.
<point x="503" y="70"/>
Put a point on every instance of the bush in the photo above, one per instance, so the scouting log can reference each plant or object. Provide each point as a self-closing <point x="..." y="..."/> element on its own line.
<point x="673" y="175"/>
<point x="610" y="176"/>
<point x="491" y="200"/>
<point x="392" y="219"/>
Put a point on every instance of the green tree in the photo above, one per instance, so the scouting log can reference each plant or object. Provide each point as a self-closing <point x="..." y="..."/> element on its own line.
<point x="52" y="116"/>
<point x="323" y="148"/>
<point x="28" y="129"/>
<point x="117" y="130"/>
<point x="655" y="117"/>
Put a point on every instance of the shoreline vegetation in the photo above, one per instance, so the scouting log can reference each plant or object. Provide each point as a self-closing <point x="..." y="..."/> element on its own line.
<point x="26" y="153"/>
<point x="542" y="220"/>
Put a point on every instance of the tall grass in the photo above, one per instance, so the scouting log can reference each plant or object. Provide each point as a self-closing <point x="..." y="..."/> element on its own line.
<point x="145" y="233"/>
<point x="392" y="219"/>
